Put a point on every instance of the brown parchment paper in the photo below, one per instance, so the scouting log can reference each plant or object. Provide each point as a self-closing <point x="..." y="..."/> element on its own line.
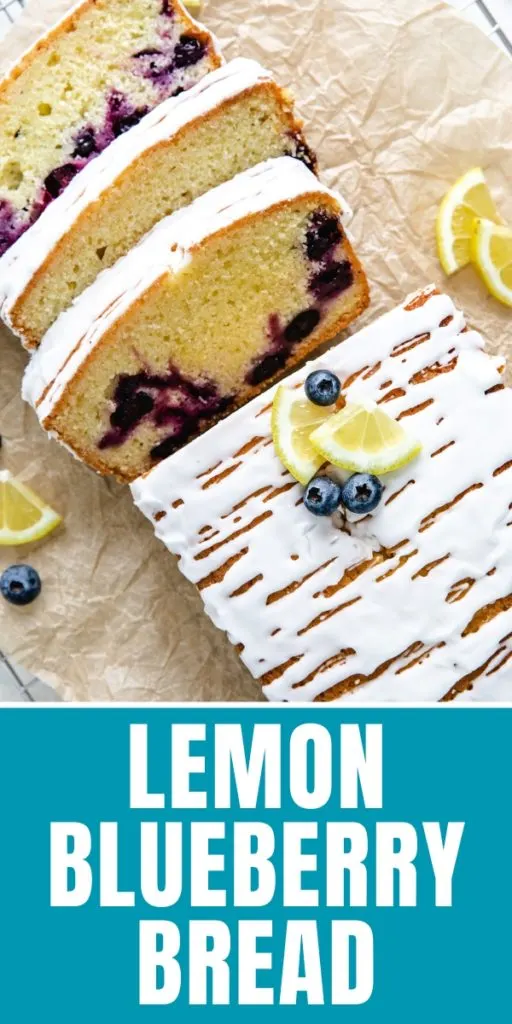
<point x="400" y="97"/>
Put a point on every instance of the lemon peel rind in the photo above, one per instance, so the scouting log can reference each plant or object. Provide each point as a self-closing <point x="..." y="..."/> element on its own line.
<point x="48" y="521"/>
<point x="14" y="539"/>
<point x="303" y="477"/>
<point x="445" y="238"/>
<point x="483" y="230"/>
<point x="368" y="465"/>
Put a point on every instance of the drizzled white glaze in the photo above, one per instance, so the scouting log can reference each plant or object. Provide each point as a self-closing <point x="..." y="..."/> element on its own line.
<point x="225" y="505"/>
<point x="28" y="254"/>
<point x="167" y="248"/>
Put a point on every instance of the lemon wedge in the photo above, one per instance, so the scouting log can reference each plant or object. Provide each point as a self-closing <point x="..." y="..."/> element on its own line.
<point x="23" y="516"/>
<point x="491" y="251"/>
<point x="293" y="419"/>
<point x="363" y="439"/>
<point x="466" y="201"/>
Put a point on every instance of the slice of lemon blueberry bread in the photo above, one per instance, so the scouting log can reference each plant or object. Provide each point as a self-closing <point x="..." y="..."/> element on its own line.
<point x="210" y="306"/>
<point x="234" y="118"/>
<point x="88" y="80"/>
<point x="403" y="592"/>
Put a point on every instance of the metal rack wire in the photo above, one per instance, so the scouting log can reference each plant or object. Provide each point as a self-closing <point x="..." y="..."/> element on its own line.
<point x="494" y="18"/>
<point x="9" y="10"/>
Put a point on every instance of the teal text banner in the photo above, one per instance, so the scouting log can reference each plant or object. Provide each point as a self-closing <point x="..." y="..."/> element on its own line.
<point x="203" y="862"/>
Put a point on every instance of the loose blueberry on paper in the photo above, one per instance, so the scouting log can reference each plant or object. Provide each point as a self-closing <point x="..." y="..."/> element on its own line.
<point x="322" y="496"/>
<point x="322" y="387"/>
<point x="20" y="584"/>
<point x="361" y="493"/>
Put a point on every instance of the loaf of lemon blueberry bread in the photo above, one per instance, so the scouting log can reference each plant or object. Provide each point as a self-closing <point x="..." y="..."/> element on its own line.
<point x="234" y="118"/>
<point x="403" y="598"/>
<point x="88" y="80"/>
<point x="202" y="314"/>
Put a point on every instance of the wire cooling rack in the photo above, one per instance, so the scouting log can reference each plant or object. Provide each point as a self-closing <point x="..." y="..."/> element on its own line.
<point x="9" y="10"/>
<point x="494" y="18"/>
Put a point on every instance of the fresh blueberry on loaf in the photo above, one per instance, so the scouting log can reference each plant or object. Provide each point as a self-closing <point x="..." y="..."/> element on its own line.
<point x="234" y="118"/>
<point x="86" y="82"/>
<point x="201" y="315"/>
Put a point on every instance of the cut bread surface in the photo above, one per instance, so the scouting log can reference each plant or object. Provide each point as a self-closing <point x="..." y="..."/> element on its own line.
<point x="214" y="303"/>
<point x="87" y="81"/>
<point x="234" y="118"/>
<point x="412" y="603"/>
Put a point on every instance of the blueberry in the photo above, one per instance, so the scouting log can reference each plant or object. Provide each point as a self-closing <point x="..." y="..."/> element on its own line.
<point x="188" y="51"/>
<point x="301" y="151"/>
<point x="302" y="325"/>
<point x="322" y="387"/>
<point x="322" y="496"/>
<point x="153" y="64"/>
<point x="332" y="281"/>
<point x="20" y="584"/>
<point x="179" y="402"/>
<point x="56" y="181"/>
<point x="267" y="367"/>
<point x="149" y="51"/>
<point x="183" y="428"/>
<point x="127" y="385"/>
<point x="123" y="124"/>
<point x="322" y="235"/>
<point x="85" y="143"/>
<point x="361" y="493"/>
<point x="132" y="410"/>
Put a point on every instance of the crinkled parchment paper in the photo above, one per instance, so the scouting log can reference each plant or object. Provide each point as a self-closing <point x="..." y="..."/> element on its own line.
<point x="400" y="97"/>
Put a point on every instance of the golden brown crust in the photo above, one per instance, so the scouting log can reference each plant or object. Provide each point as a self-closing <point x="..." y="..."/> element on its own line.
<point x="29" y="339"/>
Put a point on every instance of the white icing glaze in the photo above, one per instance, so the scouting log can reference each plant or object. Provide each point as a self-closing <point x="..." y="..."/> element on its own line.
<point x="166" y="248"/>
<point x="402" y="629"/>
<point x="28" y="254"/>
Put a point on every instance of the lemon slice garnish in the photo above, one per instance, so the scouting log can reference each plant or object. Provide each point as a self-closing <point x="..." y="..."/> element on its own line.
<point x="363" y="439"/>
<point x="466" y="201"/>
<point x="491" y="251"/>
<point x="23" y="516"/>
<point x="293" y="419"/>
